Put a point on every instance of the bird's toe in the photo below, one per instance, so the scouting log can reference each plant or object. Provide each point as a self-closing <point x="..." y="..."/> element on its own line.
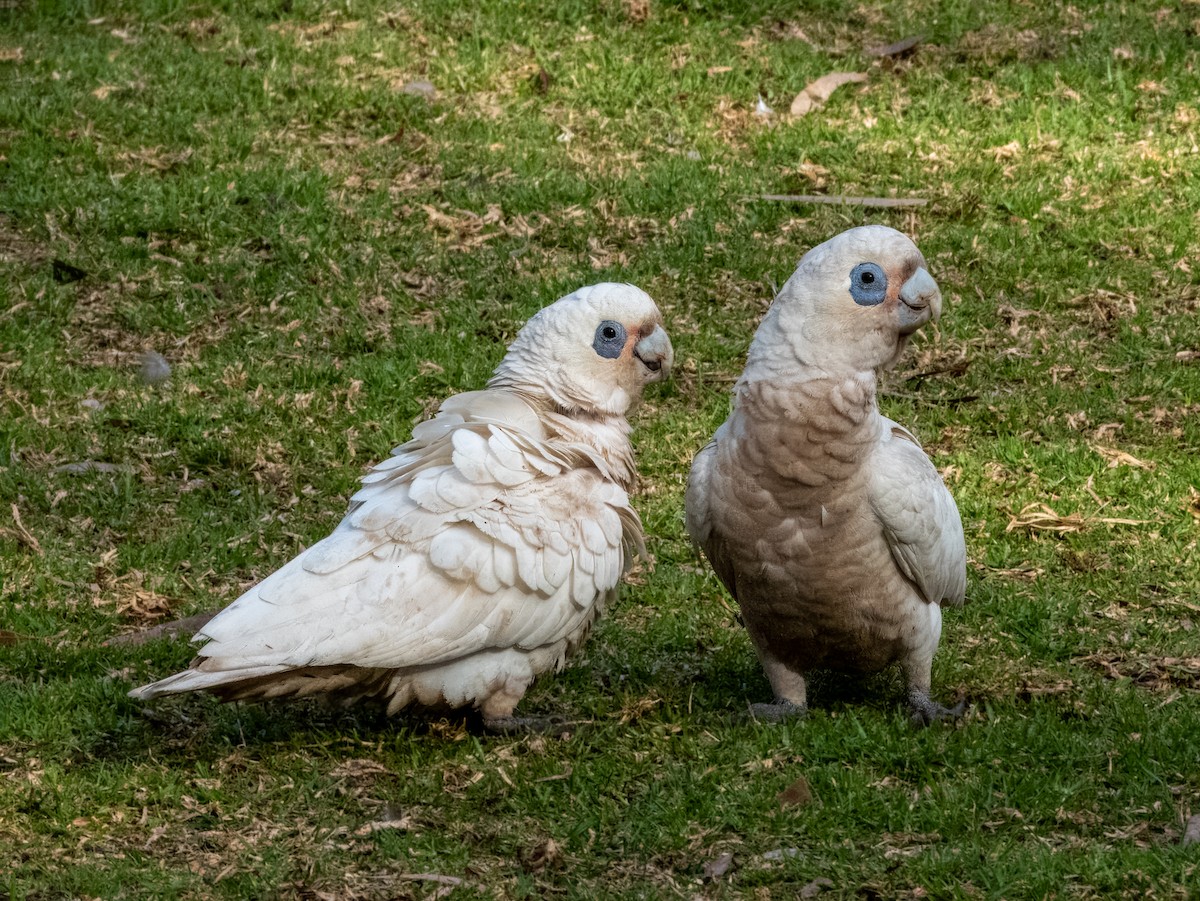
<point x="925" y="711"/>
<point x="527" y="725"/>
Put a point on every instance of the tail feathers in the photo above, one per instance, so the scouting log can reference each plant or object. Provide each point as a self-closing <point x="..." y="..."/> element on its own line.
<point x="202" y="680"/>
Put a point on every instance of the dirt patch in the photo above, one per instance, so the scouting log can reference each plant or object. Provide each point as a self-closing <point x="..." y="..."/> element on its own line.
<point x="17" y="247"/>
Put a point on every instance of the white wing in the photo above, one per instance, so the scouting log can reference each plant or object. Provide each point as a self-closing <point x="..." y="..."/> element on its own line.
<point x="471" y="537"/>
<point x="919" y="517"/>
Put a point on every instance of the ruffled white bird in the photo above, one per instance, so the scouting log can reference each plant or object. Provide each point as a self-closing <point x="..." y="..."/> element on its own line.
<point x="825" y="520"/>
<point x="478" y="555"/>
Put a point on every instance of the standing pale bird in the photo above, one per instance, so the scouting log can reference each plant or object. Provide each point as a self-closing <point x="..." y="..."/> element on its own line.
<point x="825" y="520"/>
<point x="478" y="556"/>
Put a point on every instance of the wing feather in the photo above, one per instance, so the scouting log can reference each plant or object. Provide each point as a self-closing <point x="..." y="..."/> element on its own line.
<point x="919" y="517"/>
<point x="444" y="553"/>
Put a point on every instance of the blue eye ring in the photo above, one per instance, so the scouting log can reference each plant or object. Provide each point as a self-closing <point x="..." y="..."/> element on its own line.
<point x="868" y="284"/>
<point x="609" y="340"/>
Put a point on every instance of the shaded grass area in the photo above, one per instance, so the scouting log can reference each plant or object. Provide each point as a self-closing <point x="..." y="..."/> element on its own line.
<point x="263" y="194"/>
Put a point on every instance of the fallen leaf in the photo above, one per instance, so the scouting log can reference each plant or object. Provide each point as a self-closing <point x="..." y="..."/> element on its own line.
<point x="899" y="48"/>
<point x="401" y="825"/>
<point x="719" y="866"/>
<point x="1117" y="458"/>
<point x="815" y="887"/>
<point x="816" y="93"/>
<point x="541" y="856"/>
<point x="719" y="70"/>
<point x="798" y="794"/>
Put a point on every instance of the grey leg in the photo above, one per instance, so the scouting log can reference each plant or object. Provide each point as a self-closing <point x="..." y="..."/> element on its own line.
<point x="791" y="694"/>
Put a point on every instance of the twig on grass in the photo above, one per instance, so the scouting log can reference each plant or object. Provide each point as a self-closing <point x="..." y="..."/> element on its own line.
<point x="24" y="535"/>
<point x="188" y="626"/>
<point x="846" y="200"/>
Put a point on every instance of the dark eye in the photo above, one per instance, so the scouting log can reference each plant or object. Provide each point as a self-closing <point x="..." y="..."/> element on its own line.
<point x="609" y="340"/>
<point x="868" y="284"/>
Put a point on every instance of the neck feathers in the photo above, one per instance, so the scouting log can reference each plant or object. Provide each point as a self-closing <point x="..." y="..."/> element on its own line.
<point x="814" y="431"/>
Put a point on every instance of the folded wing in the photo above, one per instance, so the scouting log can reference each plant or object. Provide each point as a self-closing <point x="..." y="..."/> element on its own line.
<point x="919" y="518"/>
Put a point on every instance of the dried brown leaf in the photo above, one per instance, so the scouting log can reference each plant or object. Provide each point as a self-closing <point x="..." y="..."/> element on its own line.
<point x="798" y="794"/>
<point x="1117" y="458"/>
<point x="817" y="92"/>
<point x="541" y="856"/>
<point x="898" y="48"/>
<point x="401" y="825"/>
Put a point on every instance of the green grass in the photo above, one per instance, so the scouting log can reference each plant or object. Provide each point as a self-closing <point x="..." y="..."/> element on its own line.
<point x="322" y="256"/>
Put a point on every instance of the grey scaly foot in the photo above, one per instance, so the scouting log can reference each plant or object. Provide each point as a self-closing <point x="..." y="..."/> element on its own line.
<point x="925" y="710"/>
<point x="526" y="725"/>
<point x="777" y="711"/>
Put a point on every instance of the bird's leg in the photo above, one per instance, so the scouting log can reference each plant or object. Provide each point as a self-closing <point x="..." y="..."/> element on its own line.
<point x="923" y="709"/>
<point x="791" y="698"/>
<point x="499" y="716"/>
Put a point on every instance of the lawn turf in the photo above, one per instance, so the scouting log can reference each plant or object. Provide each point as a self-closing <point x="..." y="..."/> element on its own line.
<point x="267" y="195"/>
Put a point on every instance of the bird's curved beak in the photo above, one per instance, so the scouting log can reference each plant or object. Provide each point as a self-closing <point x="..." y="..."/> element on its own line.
<point x="920" y="299"/>
<point x="656" y="354"/>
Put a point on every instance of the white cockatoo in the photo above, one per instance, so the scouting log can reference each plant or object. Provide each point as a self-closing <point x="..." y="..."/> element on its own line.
<point x="479" y="554"/>
<point x="825" y="520"/>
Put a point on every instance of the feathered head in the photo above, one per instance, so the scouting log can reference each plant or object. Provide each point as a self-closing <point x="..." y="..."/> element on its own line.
<point x="851" y="303"/>
<point x="590" y="352"/>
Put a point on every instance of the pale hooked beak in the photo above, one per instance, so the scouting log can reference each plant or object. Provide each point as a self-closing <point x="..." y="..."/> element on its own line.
<point x="655" y="352"/>
<point x="921" y="299"/>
